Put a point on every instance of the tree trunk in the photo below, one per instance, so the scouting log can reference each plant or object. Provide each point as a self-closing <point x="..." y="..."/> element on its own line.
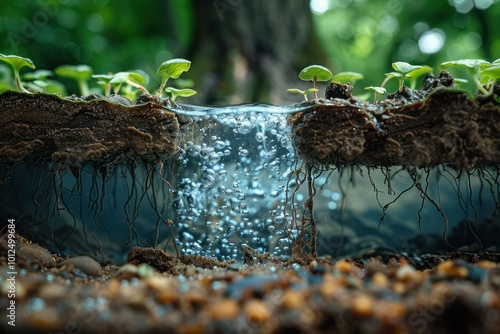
<point x="251" y="50"/>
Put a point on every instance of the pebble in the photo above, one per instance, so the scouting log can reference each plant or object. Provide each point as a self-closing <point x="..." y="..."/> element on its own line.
<point x="35" y="254"/>
<point x="451" y="269"/>
<point x="292" y="300"/>
<point x="257" y="311"/>
<point x="86" y="264"/>
<point x="223" y="309"/>
<point x="52" y="292"/>
<point x="380" y="280"/>
<point x="127" y="271"/>
<point x="362" y="306"/>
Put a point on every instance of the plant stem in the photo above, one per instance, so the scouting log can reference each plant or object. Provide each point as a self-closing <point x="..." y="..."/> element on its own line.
<point x="315" y="92"/>
<point x="478" y="84"/>
<point x="18" y="83"/>
<point x="160" y="90"/>
<point x="83" y="87"/>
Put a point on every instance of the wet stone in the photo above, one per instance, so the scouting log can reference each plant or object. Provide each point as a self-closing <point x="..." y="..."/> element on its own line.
<point x="85" y="264"/>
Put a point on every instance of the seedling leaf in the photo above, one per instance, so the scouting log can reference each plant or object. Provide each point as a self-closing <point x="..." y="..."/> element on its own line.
<point x="79" y="73"/>
<point x="345" y="77"/>
<point x="315" y="71"/>
<point x="186" y="92"/>
<point x="404" y="67"/>
<point x="17" y="63"/>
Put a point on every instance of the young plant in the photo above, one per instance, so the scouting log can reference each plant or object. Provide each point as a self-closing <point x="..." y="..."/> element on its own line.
<point x="133" y="79"/>
<point x="407" y="70"/>
<point x="17" y="63"/>
<point x="39" y="81"/>
<point x="417" y="73"/>
<point x="104" y="80"/>
<point x="315" y="73"/>
<point x="377" y="90"/>
<point x="347" y="77"/>
<point x="474" y="67"/>
<point x="172" y="68"/>
<point x="79" y="73"/>
<point x="490" y="75"/>
<point x="303" y="92"/>
<point x="174" y="92"/>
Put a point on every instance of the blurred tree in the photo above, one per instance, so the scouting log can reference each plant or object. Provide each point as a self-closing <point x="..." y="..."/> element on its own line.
<point x="251" y="50"/>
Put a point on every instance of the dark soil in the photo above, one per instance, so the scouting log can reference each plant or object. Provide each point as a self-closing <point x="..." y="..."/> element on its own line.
<point x="97" y="129"/>
<point x="433" y="126"/>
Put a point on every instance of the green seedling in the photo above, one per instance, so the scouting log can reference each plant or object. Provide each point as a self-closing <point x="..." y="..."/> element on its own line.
<point x="377" y="90"/>
<point x="489" y="76"/>
<point x="315" y="73"/>
<point x="417" y="73"/>
<point x="407" y="70"/>
<point x="17" y="63"/>
<point x="130" y="78"/>
<point x="104" y="80"/>
<point x="347" y="77"/>
<point x="172" y="68"/>
<point x="79" y="73"/>
<point x="303" y="92"/>
<point x="50" y="86"/>
<point x="474" y="67"/>
<point x="174" y="92"/>
<point x="39" y="81"/>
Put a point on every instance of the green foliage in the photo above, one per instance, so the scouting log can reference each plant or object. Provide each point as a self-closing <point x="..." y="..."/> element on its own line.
<point x="131" y="78"/>
<point x="105" y="81"/>
<point x="481" y="71"/>
<point x="377" y="90"/>
<point x="347" y="77"/>
<point x="172" y="68"/>
<point x="315" y="73"/>
<point x="17" y="63"/>
<point x="186" y="92"/>
<point x="303" y="92"/>
<point x="79" y="73"/>
<point x="407" y="70"/>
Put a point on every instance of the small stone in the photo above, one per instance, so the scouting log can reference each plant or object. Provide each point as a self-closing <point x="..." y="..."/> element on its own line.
<point x="451" y="269"/>
<point x="292" y="300"/>
<point x="485" y="264"/>
<point x="257" y="311"/>
<point x="52" y="292"/>
<point x="343" y="266"/>
<point x="159" y="282"/>
<point x="35" y="254"/>
<point x="362" y="306"/>
<point x="127" y="271"/>
<point x="408" y="274"/>
<point x="380" y="280"/>
<point x="86" y="264"/>
<point x="224" y="309"/>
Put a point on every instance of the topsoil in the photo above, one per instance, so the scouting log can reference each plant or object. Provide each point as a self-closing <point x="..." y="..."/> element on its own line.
<point x="433" y="126"/>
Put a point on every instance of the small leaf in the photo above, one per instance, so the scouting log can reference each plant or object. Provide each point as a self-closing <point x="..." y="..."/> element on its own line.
<point x="321" y="73"/>
<point x="492" y="72"/>
<point x="78" y="72"/>
<point x="345" y="77"/>
<point x="173" y="68"/>
<point x="380" y="90"/>
<point x="404" y="67"/>
<point x="391" y="75"/>
<point x="419" y="72"/>
<point x="17" y="62"/>
<point x="472" y="64"/>
<point x="186" y="92"/>
<point x="37" y="75"/>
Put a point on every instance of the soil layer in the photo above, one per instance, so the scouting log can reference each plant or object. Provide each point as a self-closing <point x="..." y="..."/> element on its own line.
<point x="97" y="129"/>
<point x="437" y="125"/>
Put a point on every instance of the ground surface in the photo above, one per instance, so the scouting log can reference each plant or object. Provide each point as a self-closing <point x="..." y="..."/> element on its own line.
<point x="381" y="292"/>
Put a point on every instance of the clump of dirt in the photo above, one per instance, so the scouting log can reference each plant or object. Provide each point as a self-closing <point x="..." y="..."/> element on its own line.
<point x="433" y="126"/>
<point x="76" y="130"/>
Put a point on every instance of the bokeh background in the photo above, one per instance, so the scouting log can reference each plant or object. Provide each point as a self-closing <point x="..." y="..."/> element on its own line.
<point x="249" y="50"/>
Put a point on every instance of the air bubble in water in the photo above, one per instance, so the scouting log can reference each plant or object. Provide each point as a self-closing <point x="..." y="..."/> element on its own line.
<point x="213" y="159"/>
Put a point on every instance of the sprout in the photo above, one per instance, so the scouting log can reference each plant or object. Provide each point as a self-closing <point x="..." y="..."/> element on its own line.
<point x="347" y="77"/>
<point x="416" y="73"/>
<point x="303" y="92"/>
<point x="79" y="73"/>
<point x="377" y="90"/>
<point x="186" y="92"/>
<point x="17" y="63"/>
<point x="51" y="86"/>
<point x="104" y="80"/>
<point x="172" y="68"/>
<point x="490" y="75"/>
<point x="38" y="75"/>
<point x="315" y="73"/>
<point x="474" y="66"/>
<point x="406" y="70"/>
<point x="392" y="75"/>
<point x="133" y="79"/>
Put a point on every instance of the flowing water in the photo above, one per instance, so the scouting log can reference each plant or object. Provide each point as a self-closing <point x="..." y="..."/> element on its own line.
<point x="235" y="183"/>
